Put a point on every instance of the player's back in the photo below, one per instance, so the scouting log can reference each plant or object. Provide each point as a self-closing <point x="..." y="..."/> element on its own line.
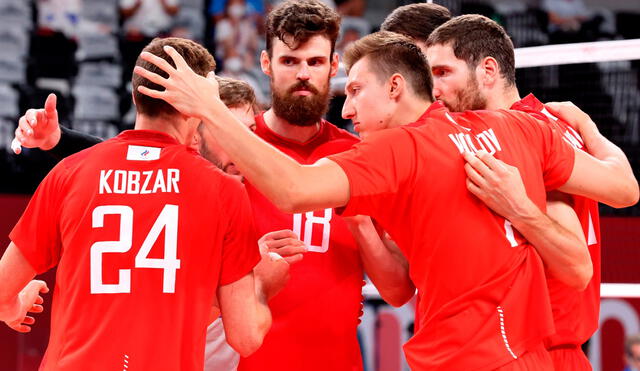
<point x="483" y="294"/>
<point x="142" y="225"/>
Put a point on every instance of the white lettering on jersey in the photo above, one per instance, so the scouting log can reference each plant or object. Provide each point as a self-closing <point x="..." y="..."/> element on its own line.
<point x="128" y="181"/>
<point x="487" y="141"/>
<point x="142" y="153"/>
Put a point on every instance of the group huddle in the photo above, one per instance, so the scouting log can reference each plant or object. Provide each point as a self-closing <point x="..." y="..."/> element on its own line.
<point x="215" y="236"/>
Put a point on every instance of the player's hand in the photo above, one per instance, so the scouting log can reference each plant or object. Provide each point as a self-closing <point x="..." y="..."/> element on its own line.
<point x="271" y="273"/>
<point x="38" y="128"/>
<point x="28" y="301"/>
<point x="285" y="243"/>
<point x="189" y="93"/>
<point x="572" y="115"/>
<point x="496" y="184"/>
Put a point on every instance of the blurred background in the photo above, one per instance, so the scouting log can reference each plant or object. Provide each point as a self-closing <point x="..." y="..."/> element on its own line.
<point x="84" y="51"/>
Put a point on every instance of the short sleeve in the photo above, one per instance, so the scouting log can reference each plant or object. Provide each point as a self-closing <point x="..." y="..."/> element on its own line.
<point x="558" y="156"/>
<point x="37" y="233"/>
<point x="240" y="252"/>
<point x="376" y="168"/>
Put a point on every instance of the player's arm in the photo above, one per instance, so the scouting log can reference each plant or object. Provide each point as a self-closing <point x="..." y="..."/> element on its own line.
<point x="284" y="243"/>
<point x="19" y="293"/>
<point x="40" y="128"/>
<point x="607" y="176"/>
<point x="557" y="236"/>
<point x="243" y="304"/>
<point x="290" y="186"/>
<point x="383" y="261"/>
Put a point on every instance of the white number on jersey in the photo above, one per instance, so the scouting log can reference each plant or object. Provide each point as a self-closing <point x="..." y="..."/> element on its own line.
<point x="167" y="221"/>
<point x="311" y="219"/>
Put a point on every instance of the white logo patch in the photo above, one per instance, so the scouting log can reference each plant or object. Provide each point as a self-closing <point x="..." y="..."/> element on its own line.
<point x="143" y="153"/>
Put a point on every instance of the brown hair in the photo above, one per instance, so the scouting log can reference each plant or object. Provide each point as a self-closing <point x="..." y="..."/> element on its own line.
<point x="629" y="343"/>
<point x="416" y="21"/>
<point x="474" y="37"/>
<point x="294" y="22"/>
<point x="196" y="56"/>
<point x="389" y="53"/>
<point x="235" y="93"/>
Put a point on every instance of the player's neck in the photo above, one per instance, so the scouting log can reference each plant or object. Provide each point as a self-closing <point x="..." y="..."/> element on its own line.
<point x="503" y="100"/>
<point x="180" y="131"/>
<point x="285" y="129"/>
<point x="410" y="110"/>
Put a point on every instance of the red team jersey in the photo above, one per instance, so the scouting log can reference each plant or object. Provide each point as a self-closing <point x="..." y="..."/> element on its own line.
<point x="143" y="231"/>
<point x="575" y="313"/>
<point x="315" y="317"/>
<point x="484" y="300"/>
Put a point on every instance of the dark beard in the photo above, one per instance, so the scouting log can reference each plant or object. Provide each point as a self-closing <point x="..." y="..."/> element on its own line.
<point x="300" y="110"/>
<point x="470" y="98"/>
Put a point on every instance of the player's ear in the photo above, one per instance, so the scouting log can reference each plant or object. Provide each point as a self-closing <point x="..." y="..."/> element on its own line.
<point x="489" y="71"/>
<point x="265" y="63"/>
<point x="397" y="85"/>
<point x="335" y="64"/>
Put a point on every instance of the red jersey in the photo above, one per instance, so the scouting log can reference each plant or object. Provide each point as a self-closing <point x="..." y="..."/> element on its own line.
<point x="484" y="300"/>
<point x="315" y="317"/>
<point x="143" y="231"/>
<point x="576" y="313"/>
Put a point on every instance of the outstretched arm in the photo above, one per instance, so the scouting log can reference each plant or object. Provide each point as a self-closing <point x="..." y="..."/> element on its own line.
<point x="290" y="186"/>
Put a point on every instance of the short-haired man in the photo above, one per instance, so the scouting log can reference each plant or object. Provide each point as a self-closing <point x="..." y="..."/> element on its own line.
<point x="472" y="62"/>
<point x="485" y="303"/>
<point x="300" y="60"/>
<point x="138" y="238"/>
<point x="416" y="21"/>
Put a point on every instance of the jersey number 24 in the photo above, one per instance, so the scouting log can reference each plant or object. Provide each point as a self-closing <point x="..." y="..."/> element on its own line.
<point x="167" y="221"/>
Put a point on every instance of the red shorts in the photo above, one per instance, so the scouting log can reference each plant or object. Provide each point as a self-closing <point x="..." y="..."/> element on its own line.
<point x="537" y="359"/>
<point x="570" y="359"/>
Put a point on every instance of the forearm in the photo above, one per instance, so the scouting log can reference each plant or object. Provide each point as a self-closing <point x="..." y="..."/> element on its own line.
<point x="561" y="247"/>
<point x="613" y="157"/>
<point x="384" y="264"/>
<point x="290" y="186"/>
<point x="72" y="141"/>
<point x="245" y="314"/>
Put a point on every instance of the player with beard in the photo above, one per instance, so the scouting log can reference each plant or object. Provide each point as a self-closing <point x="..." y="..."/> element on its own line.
<point x="300" y="60"/>
<point x="316" y="315"/>
<point x="487" y="302"/>
<point x="472" y="62"/>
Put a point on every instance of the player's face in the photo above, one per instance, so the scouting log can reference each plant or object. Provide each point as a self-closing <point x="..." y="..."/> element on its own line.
<point x="367" y="103"/>
<point x="634" y="359"/>
<point x="454" y="82"/>
<point x="300" y="79"/>
<point x="209" y="148"/>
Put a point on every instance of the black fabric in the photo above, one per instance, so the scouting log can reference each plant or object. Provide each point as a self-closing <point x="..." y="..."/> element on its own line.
<point x="72" y="141"/>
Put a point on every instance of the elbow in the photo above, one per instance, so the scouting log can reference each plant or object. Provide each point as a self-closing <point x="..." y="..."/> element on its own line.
<point x="246" y="344"/>
<point x="582" y="276"/>
<point x="398" y="297"/>
<point x="627" y="195"/>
